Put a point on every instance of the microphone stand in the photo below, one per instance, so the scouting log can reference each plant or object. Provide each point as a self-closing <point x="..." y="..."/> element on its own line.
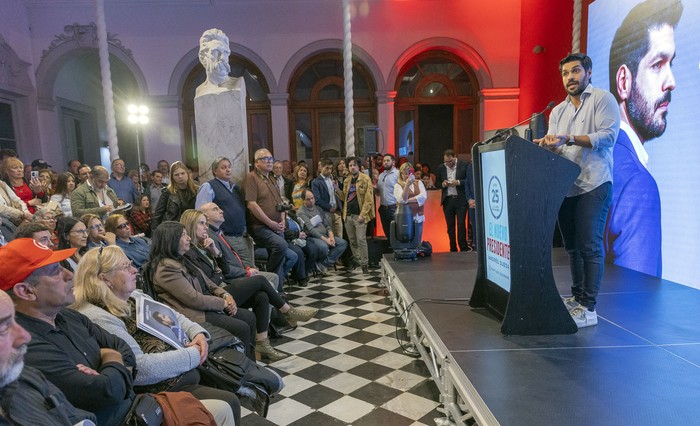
<point x="501" y="132"/>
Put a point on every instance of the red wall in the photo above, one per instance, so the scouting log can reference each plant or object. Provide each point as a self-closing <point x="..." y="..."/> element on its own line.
<point x="548" y="24"/>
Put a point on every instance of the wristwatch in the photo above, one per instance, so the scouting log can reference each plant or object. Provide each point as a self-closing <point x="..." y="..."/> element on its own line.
<point x="570" y="142"/>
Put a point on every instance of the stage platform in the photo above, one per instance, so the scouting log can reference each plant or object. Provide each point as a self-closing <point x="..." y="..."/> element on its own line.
<point x="639" y="365"/>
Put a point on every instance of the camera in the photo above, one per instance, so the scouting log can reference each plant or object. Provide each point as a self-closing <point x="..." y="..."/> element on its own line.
<point x="283" y="207"/>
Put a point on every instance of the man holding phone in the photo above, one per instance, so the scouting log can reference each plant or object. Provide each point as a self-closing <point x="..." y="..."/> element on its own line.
<point x="451" y="177"/>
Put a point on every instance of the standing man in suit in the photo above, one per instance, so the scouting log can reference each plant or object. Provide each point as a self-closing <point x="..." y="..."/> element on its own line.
<point x="452" y="177"/>
<point x="641" y="79"/>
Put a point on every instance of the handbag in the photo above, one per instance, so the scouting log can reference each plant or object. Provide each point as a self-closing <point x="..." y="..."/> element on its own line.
<point x="145" y="411"/>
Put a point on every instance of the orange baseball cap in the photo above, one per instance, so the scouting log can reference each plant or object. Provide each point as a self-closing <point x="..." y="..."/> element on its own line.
<point x="20" y="257"/>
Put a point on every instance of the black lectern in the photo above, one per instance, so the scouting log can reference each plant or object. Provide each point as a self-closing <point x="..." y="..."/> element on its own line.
<point x="519" y="188"/>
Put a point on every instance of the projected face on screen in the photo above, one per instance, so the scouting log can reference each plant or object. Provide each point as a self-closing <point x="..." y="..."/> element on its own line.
<point x="652" y="50"/>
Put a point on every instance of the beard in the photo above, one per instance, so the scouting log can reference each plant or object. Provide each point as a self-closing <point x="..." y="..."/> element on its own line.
<point x="11" y="368"/>
<point x="642" y="116"/>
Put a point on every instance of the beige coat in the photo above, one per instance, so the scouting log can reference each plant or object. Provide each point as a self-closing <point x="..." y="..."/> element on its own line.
<point x="178" y="288"/>
<point x="365" y="196"/>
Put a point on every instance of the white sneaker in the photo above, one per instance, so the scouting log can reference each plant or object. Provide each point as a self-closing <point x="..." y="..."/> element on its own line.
<point x="583" y="317"/>
<point x="570" y="302"/>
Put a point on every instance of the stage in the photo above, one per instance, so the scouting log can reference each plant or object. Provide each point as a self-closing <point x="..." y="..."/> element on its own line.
<point x="639" y="365"/>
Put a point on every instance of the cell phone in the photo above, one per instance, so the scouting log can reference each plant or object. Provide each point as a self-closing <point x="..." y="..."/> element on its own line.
<point x="34" y="173"/>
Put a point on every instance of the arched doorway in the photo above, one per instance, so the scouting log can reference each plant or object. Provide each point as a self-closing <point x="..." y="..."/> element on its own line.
<point x="317" y="107"/>
<point x="259" y="118"/>
<point x="437" y="107"/>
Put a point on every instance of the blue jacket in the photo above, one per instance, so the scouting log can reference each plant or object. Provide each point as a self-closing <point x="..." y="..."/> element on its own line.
<point x="323" y="198"/>
<point x="633" y="230"/>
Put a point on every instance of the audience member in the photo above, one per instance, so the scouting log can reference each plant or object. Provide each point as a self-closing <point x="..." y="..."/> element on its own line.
<point x="65" y="185"/>
<point x="410" y="192"/>
<point x="297" y="185"/>
<point x="105" y="284"/>
<point x="72" y="234"/>
<point x="164" y="168"/>
<point x="180" y="284"/>
<point x="280" y="180"/>
<point x="48" y="219"/>
<point x="319" y="228"/>
<point x="179" y="195"/>
<point x="236" y="265"/>
<point x="94" y="196"/>
<point x="136" y="248"/>
<point x="227" y="195"/>
<point x="93" y="368"/>
<point x="248" y="292"/>
<point x="31" y="192"/>
<point x="141" y="216"/>
<point x="155" y="188"/>
<point x="121" y="184"/>
<point x="84" y="173"/>
<point x="26" y="397"/>
<point x="97" y="236"/>
<point x="451" y="177"/>
<point x="73" y="167"/>
<point x="37" y="232"/>
<point x="264" y="202"/>
<point x="12" y="208"/>
<point x="46" y="180"/>
<point x="385" y="189"/>
<point x="358" y="211"/>
<point x="327" y="195"/>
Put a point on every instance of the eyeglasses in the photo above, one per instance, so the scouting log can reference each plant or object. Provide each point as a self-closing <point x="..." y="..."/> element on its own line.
<point x="97" y="226"/>
<point x="266" y="159"/>
<point x="123" y="225"/>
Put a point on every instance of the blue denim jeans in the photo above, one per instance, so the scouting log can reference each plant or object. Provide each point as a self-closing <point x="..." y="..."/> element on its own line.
<point x="326" y="254"/>
<point x="582" y="222"/>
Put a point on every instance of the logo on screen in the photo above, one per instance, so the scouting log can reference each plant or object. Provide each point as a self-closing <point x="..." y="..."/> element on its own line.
<point x="495" y="197"/>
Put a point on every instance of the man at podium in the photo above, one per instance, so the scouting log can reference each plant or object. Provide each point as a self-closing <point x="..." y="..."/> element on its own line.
<point x="583" y="128"/>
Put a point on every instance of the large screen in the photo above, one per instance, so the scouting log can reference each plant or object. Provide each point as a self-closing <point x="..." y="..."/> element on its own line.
<point x="654" y="222"/>
<point x="494" y="200"/>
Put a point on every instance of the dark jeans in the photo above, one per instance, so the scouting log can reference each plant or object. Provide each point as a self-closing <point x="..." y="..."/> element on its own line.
<point x="257" y="294"/>
<point x="386" y="215"/>
<point x="276" y="247"/>
<point x="242" y="325"/>
<point x="328" y="255"/>
<point x="455" y="209"/>
<point x="582" y="222"/>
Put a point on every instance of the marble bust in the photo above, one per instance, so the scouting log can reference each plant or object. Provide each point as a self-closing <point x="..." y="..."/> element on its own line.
<point x="213" y="54"/>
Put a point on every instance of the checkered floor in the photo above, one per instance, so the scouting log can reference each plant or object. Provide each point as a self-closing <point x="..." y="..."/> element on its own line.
<point x="347" y="367"/>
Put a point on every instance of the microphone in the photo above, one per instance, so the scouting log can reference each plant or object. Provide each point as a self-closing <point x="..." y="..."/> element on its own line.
<point x="503" y="131"/>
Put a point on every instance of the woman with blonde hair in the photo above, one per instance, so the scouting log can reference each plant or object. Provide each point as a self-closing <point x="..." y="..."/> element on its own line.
<point x="30" y="192"/>
<point x="180" y="195"/>
<point x="105" y="291"/>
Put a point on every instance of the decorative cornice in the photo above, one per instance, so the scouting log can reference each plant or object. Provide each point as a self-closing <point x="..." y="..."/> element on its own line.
<point x="84" y="36"/>
<point x="14" y="72"/>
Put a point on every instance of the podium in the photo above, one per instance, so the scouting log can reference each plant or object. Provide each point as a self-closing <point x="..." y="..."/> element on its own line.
<point x="519" y="188"/>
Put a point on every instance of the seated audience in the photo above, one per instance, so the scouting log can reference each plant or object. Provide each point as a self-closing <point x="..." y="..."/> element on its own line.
<point x="12" y="209"/>
<point x="97" y="236"/>
<point x="105" y="284"/>
<point x="249" y="292"/>
<point x="31" y="192"/>
<point x="65" y="185"/>
<point x="84" y="173"/>
<point x="141" y="216"/>
<point x="136" y="248"/>
<point x="318" y="226"/>
<point x="72" y="233"/>
<point x="180" y="284"/>
<point x="37" y="232"/>
<point x="47" y="218"/>
<point x="94" y="196"/>
<point x="46" y="180"/>
<point x="93" y="368"/>
<point x="26" y="397"/>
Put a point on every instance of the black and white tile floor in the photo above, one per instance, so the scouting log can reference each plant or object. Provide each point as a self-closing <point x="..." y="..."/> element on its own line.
<point x="347" y="367"/>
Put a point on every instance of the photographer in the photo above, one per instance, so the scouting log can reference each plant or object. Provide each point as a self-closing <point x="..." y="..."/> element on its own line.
<point x="267" y="212"/>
